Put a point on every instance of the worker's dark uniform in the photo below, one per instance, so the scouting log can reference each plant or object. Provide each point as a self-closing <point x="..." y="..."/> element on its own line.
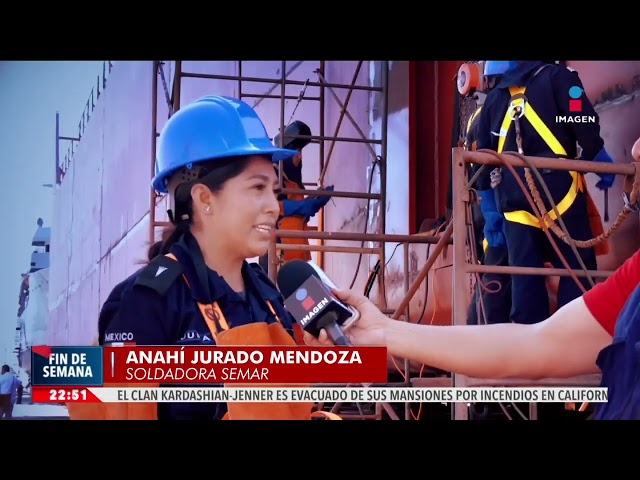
<point x="547" y="91"/>
<point x="161" y="310"/>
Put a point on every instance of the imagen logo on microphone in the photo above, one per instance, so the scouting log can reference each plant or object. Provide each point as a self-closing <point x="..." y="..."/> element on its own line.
<point x="305" y="300"/>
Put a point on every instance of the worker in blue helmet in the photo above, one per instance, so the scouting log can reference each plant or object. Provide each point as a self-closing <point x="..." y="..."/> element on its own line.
<point x="538" y="97"/>
<point x="493" y="68"/>
<point x="215" y="161"/>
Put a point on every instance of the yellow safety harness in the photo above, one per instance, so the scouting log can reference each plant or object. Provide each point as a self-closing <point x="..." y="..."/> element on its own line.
<point x="518" y="108"/>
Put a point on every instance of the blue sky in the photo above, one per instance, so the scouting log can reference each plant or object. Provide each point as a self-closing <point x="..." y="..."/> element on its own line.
<point x="30" y="95"/>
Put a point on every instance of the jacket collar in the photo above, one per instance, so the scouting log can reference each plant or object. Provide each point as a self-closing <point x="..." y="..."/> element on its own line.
<point x="520" y="75"/>
<point x="206" y="285"/>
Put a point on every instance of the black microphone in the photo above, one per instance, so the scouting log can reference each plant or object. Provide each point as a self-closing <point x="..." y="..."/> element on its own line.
<point x="308" y="297"/>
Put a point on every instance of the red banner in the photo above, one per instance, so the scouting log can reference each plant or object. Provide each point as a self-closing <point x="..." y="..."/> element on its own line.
<point x="62" y="395"/>
<point x="247" y="365"/>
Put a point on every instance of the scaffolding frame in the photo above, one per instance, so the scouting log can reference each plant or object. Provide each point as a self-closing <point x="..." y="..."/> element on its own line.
<point x="320" y="234"/>
<point x="283" y="81"/>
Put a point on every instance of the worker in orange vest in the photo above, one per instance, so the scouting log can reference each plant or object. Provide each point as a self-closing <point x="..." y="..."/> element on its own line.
<point x="296" y="209"/>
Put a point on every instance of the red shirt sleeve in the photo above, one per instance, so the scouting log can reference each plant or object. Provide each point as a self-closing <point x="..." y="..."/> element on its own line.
<point x="606" y="300"/>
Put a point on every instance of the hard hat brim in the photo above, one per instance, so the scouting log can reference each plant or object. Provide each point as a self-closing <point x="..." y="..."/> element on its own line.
<point x="277" y="155"/>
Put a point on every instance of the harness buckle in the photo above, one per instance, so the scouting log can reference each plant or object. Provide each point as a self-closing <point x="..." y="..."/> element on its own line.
<point x="496" y="177"/>
<point x="517" y="111"/>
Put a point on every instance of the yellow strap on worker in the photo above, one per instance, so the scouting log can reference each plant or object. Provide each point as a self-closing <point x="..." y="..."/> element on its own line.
<point x="469" y="125"/>
<point x="536" y="122"/>
<point x="485" y="245"/>
<point x="472" y="118"/>
<point x="526" y="218"/>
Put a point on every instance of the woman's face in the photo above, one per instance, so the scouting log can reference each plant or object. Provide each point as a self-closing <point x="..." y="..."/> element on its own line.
<point x="245" y="211"/>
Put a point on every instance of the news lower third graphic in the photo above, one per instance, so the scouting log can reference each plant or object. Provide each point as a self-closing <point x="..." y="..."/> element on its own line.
<point x="575" y="99"/>
<point x="67" y="366"/>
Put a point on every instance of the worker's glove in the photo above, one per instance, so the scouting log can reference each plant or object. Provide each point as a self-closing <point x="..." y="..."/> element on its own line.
<point x="606" y="179"/>
<point x="307" y="207"/>
<point x="493" y="219"/>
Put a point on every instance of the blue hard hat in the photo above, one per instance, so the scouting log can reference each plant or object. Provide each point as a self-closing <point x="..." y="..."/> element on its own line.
<point x="492" y="67"/>
<point x="210" y="128"/>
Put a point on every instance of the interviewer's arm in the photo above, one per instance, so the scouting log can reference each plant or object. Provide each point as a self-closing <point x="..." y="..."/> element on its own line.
<point x="564" y="345"/>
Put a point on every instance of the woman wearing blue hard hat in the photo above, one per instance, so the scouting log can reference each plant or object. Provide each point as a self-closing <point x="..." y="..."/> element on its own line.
<point x="215" y="161"/>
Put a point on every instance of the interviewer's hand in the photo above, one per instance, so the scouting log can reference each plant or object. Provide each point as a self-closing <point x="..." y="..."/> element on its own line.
<point x="368" y="330"/>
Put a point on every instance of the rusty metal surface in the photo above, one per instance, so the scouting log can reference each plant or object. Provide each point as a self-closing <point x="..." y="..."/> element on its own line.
<point x="599" y="77"/>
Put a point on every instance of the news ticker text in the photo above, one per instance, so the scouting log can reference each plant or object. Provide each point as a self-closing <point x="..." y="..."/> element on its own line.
<point x="54" y="366"/>
<point x="319" y="394"/>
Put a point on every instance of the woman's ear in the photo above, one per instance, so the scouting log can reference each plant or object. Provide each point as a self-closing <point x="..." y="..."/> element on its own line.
<point x="202" y="199"/>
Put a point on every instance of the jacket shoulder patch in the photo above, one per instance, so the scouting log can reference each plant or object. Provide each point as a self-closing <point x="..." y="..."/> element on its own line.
<point x="160" y="274"/>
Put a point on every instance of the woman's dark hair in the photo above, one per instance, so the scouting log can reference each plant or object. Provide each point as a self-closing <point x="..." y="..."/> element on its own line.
<point x="156" y="248"/>
<point x="214" y="175"/>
